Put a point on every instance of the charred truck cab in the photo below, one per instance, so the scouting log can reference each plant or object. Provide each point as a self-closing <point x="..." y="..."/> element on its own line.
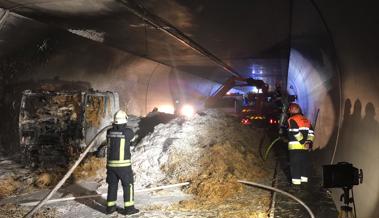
<point x="54" y="127"/>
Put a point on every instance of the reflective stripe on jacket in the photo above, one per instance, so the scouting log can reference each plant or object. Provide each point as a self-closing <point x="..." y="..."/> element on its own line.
<point x="299" y="131"/>
<point x="118" y="139"/>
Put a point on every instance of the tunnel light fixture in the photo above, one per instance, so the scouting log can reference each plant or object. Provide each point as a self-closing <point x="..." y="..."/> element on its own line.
<point x="187" y="111"/>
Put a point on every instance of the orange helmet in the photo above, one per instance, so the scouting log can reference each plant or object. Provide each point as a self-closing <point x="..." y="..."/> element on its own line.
<point x="294" y="108"/>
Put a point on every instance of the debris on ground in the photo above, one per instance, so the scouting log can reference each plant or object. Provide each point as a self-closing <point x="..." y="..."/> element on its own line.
<point x="8" y="186"/>
<point x="212" y="150"/>
<point x="14" y="211"/>
<point x="48" y="178"/>
<point x="14" y="177"/>
<point x="92" y="168"/>
<point x="20" y="180"/>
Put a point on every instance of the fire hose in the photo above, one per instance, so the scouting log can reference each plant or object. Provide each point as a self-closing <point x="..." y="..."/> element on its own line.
<point x="279" y="191"/>
<point x="67" y="175"/>
<point x="269" y="148"/>
<point x="104" y="194"/>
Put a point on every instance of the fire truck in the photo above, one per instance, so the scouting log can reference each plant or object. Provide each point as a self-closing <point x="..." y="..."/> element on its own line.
<point x="260" y="108"/>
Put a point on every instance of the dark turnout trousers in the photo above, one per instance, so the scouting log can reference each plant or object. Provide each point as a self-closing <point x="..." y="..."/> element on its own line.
<point x="299" y="165"/>
<point x="119" y="165"/>
<point x="125" y="174"/>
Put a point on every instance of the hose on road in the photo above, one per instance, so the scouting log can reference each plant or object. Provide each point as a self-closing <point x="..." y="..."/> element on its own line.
<point x="68" y="174"/>
<point x="281" y="192"/>
<point x="267" y="152"/>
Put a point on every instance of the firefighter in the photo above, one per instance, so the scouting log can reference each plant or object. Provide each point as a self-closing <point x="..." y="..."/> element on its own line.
<point x="300" y="141"/>
<point x="119" y="164"/>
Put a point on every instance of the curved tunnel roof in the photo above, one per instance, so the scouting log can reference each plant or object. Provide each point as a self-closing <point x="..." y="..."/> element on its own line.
<point x="249" y="36"/>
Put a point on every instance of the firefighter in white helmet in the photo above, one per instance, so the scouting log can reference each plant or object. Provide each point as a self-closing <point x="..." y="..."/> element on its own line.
<point x="119" y="164"/>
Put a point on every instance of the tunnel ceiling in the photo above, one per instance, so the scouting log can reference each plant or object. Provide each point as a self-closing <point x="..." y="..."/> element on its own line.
<point x="248" y="35"/>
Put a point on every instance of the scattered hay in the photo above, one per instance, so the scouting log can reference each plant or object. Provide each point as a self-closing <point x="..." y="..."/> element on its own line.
<point x="44" y="178"/>
<point x="221" y="166"/>
<point x="47" y="179"/>
<point x="214" y="184"/>
<point x="13" y="211"/>
<point x="92" y="167"/>
<point x="241" y="213"/>
<point x="8" y="186"/>
<point x="212" y="151"/>
<point x="252" y="203"/>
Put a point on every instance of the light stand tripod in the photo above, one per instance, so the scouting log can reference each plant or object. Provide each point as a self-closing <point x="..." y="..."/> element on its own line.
<point x="346" y="211"/>
<point x="343" y="175"/>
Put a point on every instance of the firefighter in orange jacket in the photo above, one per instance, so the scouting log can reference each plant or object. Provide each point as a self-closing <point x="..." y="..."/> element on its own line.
<point x="300" y="141"/>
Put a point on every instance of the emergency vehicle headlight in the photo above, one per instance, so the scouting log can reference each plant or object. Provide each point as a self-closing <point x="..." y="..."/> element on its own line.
<point x="187" y="111"/>
<point x="166" y="108"/>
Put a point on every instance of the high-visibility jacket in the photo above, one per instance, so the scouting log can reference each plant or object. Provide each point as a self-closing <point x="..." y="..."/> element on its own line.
<point x="118" y="139"/>
<point x="299" y="131"/>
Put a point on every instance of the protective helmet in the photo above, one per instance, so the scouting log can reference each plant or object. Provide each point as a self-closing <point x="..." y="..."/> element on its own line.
<point x="294" y="108"/>
<point x="120" y="117"/>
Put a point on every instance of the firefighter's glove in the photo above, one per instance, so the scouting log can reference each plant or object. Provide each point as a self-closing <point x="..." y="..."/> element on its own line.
<point x="308" y="145"/>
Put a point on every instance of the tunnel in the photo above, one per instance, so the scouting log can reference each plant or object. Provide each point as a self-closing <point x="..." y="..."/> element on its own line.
<point x="168" y="56"/>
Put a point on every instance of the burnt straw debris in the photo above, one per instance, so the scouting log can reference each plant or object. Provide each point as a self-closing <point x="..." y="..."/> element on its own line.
<point x="211" y="150"/>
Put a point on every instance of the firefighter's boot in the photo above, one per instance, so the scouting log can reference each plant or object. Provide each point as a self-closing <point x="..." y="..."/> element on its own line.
<point x="111" y="209"/>
<point x="130" y="211"/>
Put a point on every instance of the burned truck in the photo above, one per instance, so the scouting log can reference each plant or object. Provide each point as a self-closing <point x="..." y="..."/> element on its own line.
<point x="55" y="127"/>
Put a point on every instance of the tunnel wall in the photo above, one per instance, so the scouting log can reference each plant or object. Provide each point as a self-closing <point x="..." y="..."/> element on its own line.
<point x="52" y="57"/>
<point x="355" y="32"/>
<point x="312" y="84"/>
<point x="349" y="88"/>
